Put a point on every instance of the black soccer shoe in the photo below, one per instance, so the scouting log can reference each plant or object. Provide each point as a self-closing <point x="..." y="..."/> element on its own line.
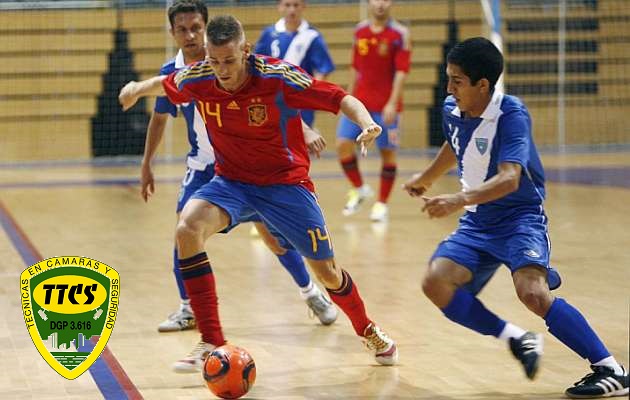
<point x="602" y="382"/>
<point x="528" y="349"/>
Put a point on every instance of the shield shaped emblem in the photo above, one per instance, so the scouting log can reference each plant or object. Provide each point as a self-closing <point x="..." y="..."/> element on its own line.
<point x="482" y="145"/>
<point x="383" y="48"/>
<point x="69" y="306"/>
<point x="257" y="114"/>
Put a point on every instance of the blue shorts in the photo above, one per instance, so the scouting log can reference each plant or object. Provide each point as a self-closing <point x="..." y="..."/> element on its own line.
<point x="388" y="139"/>
<point x="193" y="180"/>
<point x="290" y="212"/>
<point x="522" y="242"/>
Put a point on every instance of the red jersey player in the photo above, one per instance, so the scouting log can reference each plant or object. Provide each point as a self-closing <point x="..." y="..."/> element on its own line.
<point x="380" y="63"/>
<point x="188" y="19"/>
<point x="250" y="105"/>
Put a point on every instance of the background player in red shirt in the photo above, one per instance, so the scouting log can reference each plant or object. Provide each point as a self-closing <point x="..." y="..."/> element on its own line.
<point x="380" y="63"/>
<point x="250" y="105"/>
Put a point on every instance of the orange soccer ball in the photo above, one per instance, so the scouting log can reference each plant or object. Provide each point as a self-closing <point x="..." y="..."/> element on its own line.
<point x="229" y="371"/>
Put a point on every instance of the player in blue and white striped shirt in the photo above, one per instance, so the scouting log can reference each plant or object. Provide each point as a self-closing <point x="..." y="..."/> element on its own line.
<point x="489" y="139"/>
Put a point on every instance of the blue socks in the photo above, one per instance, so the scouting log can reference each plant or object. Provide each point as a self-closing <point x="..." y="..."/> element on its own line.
<point x="178" y="277"/>
<point x="564" y="321"/>
<point x="567" y="324"/>
<point x="292" y="261"/>
<point x="465" y="309"/>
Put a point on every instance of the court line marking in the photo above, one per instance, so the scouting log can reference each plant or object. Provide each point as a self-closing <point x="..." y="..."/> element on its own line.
<point x="430" y="152"/>
<point x="617" y="176"/>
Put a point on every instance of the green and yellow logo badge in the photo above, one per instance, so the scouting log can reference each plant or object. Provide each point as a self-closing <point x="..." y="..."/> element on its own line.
<point x="69" y="303"/>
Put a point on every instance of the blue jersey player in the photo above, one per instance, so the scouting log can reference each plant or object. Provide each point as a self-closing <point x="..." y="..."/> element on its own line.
<point x="294" y="40"/>
<point x="188" y="19"/>
<point x="488" y="138"/>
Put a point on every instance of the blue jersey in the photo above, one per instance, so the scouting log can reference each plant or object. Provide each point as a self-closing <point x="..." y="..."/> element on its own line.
<point x="305" y="47"/>
<point x="201" y="153"/>
<point x="501" y="134"/>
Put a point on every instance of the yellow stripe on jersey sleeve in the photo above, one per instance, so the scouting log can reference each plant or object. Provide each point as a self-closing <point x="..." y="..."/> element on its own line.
<point x="286" y="71"/>
<point x="196" y="71"/>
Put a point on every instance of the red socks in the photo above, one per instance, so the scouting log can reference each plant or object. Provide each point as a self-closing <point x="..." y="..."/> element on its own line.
<point x="348" y="299"/>
<point x="351" y="169"/>
<point x="199" y="282"/>
<point x="388" y="175"/>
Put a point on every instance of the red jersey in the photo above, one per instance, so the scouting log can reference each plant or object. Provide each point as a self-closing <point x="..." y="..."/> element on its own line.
<point x="376" y="57"/>
<point x="256" y="131"/>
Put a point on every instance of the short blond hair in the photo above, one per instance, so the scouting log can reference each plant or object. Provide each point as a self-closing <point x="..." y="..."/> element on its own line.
<point x="224" y="29"/>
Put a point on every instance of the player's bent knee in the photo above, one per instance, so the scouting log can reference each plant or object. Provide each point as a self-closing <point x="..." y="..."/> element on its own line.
<point x="186" y="230"/>
<point x="536" y="300"/>
<point x="439" y="287"/>
<point x="431" y="286"/>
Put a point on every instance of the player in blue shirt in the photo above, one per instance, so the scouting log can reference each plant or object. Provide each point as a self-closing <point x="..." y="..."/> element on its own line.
<point x="489" y="139"/>
<point x="294" y="40"/>
<point x="188" y="19"/>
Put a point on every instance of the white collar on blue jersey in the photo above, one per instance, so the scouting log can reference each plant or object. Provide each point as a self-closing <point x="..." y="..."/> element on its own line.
<point x="281" y="26"/>
<point x="492" y="111"/>
<point x="179" y="60"/>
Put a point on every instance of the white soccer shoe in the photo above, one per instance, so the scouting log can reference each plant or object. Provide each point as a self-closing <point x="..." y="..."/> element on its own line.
<point x="356" y="196"/>
<point x="193" y="362"/>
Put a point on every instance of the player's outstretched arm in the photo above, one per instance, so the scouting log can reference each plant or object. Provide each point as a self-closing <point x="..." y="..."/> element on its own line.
<point x="420" y="182"/>
<point x="133" y="91"/>
<point x="356" y="111"/>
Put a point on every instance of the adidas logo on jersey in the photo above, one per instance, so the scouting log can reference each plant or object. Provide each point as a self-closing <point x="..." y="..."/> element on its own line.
<point x="233" y="106"/>
<point x="532" y="253"/>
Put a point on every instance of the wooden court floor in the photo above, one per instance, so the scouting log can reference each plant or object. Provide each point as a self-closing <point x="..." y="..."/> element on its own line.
<point x="96" y="211"/>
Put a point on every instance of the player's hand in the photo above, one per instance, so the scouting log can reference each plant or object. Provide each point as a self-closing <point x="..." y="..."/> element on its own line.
<point x="128" y="95"/>
<point x="442" y="205"/>
<point x="369" y="134"/>
<point x="417" y="185"/>
<point x="389" y="114"/>
<point x="314" y="141"/>
<point x="147" y="183"/>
